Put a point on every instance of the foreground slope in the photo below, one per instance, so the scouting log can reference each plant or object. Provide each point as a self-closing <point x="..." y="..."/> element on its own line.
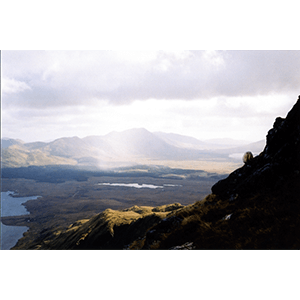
<point x="255" y="207"/>
<point x="111" y="229"/>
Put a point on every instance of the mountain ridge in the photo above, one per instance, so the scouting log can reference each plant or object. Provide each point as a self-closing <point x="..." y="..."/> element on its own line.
<point x="127" y="146"/>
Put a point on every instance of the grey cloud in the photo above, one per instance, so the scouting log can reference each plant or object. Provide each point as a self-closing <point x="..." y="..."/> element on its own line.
<point x="80" y="78"/>
<point x="260" y="72"/>
<point x="243" y="73"/>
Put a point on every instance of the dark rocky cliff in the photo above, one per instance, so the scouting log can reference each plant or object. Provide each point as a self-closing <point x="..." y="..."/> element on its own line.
<point x="279" y="160"/>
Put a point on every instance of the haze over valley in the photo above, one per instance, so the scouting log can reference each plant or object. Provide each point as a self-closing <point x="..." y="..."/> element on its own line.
<point x="130" y="147"/>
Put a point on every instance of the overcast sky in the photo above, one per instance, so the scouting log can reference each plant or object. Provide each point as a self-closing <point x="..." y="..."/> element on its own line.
<point x="204" y="94"/>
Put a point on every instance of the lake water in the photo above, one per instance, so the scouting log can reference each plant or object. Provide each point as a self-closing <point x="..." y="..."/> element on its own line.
<point x="12" y="206"/>
<point x="139" y="186"/>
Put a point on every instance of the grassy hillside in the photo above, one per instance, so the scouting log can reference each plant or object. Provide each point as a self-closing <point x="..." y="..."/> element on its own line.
<point x="107" y="230"/>
<point x="18" y="156"/>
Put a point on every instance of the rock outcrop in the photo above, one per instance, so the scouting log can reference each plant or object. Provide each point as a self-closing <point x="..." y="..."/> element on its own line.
<point x="279" y="160"/>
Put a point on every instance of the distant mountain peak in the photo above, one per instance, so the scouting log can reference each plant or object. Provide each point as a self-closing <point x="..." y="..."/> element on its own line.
<point x="7" y="142"/>
<point x="141" y="129"/>
<point x="130" y="145"/>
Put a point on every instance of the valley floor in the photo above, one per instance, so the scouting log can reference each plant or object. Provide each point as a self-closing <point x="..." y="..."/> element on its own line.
<point x="219" y="166"/>
<point x="62" y="204"/>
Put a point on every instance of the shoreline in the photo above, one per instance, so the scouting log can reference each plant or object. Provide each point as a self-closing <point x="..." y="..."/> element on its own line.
<point x="13" y="217"/>
<point x="62" y="204"/>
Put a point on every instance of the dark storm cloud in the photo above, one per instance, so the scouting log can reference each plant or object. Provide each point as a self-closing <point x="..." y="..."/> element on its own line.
<point x="45" y="79"/>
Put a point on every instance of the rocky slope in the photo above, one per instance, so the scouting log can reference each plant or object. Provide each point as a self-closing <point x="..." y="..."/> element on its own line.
<point x="255" y="207"/>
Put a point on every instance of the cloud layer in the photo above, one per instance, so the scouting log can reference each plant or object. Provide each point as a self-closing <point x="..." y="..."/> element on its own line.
<point x="44" y="79"/>
<point x="205" y="94"/>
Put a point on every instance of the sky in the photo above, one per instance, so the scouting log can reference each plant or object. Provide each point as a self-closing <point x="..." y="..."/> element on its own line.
<point x="204" y="94"/>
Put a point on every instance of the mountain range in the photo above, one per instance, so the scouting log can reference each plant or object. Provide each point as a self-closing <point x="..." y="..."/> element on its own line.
<point x="256" y="207"/>
<point x="117" y="148"/>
